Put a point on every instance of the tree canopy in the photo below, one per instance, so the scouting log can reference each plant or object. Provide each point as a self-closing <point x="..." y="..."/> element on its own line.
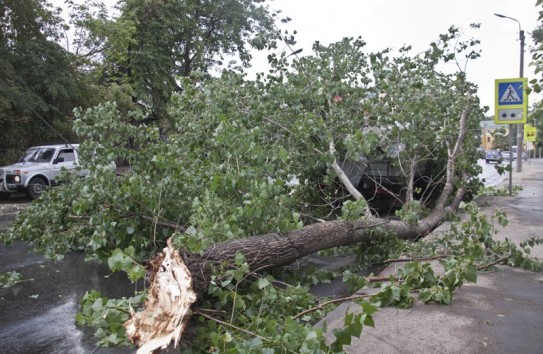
<point x="49" y="67"/>
<point x="153" y="43"/>
<point x="38" y="84"/>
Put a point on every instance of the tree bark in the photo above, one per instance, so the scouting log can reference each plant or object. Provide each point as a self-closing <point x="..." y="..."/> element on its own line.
<point x="168" y="307"/>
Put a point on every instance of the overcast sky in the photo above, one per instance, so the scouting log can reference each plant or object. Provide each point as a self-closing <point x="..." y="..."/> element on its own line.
<point x="393" y="23"/>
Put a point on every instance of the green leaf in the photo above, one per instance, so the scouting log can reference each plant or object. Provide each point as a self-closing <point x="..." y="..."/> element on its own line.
<point x="10" y="279"/>
<point x="262" y="283"/>
<point x="115" y="261"/>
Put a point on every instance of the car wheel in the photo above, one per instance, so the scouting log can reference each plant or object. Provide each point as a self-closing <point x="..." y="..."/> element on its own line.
<point x="486" y="161"/>
<point x="4" y="195"/>
<point x="36" y="187"/>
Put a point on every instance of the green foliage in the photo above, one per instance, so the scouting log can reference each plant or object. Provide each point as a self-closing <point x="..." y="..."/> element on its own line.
<point x="354" y="281"/>
<point x="353" y="325"/>
<point x="462" y="252"/>
<point x="260" y="307"/>
<point x="394" y="295"/>
<point x="107" y="316"/>
<point x="9" y="279"/>
<point x="149" y="45"/>
<point x="437" y="294"/>
<point x="501" y="139"/>
<point x="353" y="210"/>
<point x="417" y="275"/>
<point x="537" y="53"/>
<point x="125" y="260"/>
<point x="225" y="171"/>
<point x="314" y="276"/>
<point x="499" y="191"/>
<point x="378" y="250"/>
<point x="519" y="255"/>
<point x="411" y="212"/>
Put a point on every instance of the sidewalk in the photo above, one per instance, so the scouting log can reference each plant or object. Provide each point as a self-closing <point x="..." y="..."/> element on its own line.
<point x="501" y="313"/>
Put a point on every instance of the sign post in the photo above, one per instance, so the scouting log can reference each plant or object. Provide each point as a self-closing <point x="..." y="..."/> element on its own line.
<point x="511" y="107"/>
<point x="530" y="133"/>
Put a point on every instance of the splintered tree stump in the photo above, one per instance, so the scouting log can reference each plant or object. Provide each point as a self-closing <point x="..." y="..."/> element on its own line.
<point x="168" y="307"/>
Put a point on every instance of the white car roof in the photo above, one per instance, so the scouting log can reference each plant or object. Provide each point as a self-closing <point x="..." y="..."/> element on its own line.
<point x="54" y="146"/>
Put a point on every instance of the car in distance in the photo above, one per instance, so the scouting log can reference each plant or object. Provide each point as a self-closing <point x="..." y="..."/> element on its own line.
<point x="515" y="153"/>
<point x="506" y="154"/>
<point x="493" y="156"/>
<point x="524" y="156"/>
<point x="37" y="169"/>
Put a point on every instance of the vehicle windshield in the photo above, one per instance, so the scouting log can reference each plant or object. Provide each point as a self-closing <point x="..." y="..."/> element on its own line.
<point x="37" y="155"/>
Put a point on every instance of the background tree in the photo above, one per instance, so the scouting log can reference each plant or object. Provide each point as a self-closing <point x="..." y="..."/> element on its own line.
<point x="133" y="59"/>
<point x="537" y="61"/>
<point x="501" y="139"/>
<point x="537" y="52"/>
<point x="39" y="86"/>
<point x="158" y="41"/>
<point x="97" y="41"/>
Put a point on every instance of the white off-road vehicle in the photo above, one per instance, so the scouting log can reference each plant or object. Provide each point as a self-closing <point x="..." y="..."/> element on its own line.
<point x="38" y="168"/>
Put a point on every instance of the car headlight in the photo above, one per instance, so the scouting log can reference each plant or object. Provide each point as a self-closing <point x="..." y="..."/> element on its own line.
<point x="17" y="179"/>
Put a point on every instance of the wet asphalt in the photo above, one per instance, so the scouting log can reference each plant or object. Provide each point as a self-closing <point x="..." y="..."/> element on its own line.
<point x="38" y="314"/>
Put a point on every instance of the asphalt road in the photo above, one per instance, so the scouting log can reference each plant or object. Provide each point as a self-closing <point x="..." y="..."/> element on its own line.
<point x="38" y="315"/>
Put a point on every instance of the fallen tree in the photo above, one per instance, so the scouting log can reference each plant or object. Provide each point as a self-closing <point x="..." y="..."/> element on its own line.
<point x="222" y="190"/>
<point x="176" y="285"/>
<point x="168" y="308"/>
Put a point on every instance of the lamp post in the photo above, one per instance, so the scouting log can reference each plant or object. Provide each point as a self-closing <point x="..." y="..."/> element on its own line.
<point x="520" y="127"/>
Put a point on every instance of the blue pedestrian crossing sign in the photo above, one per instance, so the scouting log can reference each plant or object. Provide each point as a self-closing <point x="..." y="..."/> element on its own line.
<point x="511" y="105"/>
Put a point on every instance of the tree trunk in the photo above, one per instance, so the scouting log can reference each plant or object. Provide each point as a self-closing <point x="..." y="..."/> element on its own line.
<point x="176" y="284"/>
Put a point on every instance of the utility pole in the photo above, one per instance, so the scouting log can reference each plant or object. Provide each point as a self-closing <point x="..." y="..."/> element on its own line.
<point x="520" y="127"/>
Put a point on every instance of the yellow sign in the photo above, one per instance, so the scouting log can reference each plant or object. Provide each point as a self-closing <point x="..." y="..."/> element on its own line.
<point x="530" y="133"/>
<point x="511" y="101"/>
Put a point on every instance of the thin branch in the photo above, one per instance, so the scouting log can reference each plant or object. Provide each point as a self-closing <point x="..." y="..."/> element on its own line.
<point x="279" y="125"/>
<point x="320" y="306"/>
<point x="210" y="310"/>
<point x="226" y="324"/>
<point x="499" y="260"/>
<point x="346" y="181"/>
<point x="384" y="278"/>
<point x="398" y="260"/>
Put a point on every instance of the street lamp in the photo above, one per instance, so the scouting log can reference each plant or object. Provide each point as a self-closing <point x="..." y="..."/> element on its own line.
<point x="520" y="127"/>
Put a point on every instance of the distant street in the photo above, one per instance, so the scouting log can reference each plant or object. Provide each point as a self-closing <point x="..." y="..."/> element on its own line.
<point x="491" y="177"/>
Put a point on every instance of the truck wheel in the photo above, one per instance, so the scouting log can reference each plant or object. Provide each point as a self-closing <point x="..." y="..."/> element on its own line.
<point x="4" y="195"/>
<point x="36" y="187"/>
